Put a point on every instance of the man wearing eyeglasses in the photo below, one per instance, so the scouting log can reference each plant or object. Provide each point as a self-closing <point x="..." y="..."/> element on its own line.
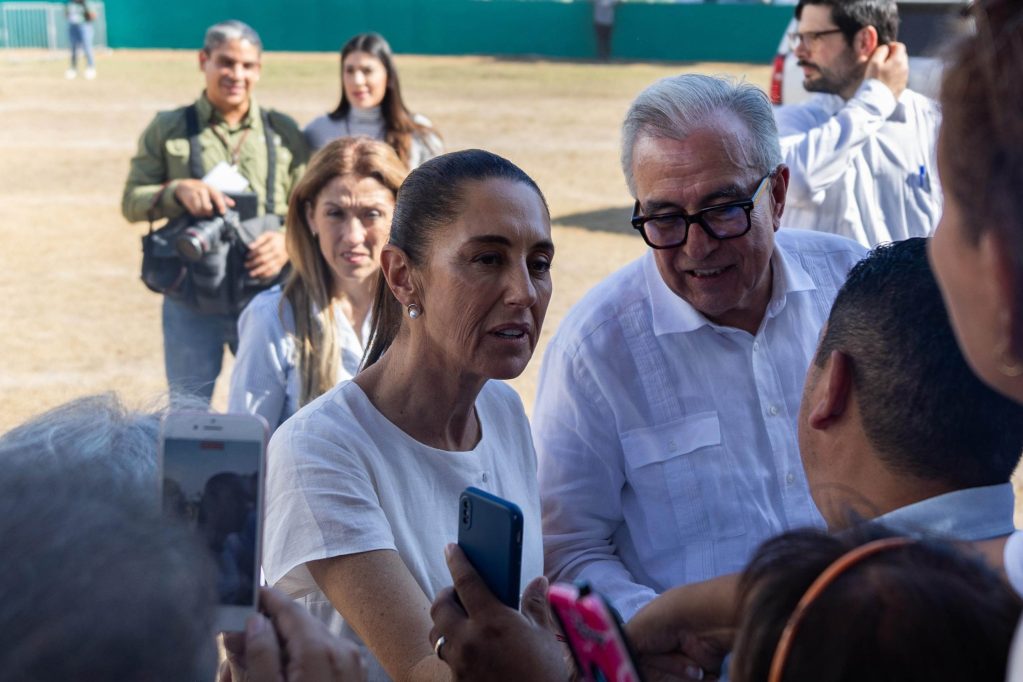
<point x="665" y="420"/>
<point x="861" y="152"/>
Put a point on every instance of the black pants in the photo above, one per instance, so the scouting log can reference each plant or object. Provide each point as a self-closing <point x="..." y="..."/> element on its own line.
<point x="603" y="41"/>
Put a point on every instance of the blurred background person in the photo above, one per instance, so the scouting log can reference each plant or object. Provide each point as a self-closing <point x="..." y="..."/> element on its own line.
<point x="869" y="606"/>
<point x="80" y="14"/>
<point x="363" y="483"/>
<point x="371" y="105"/>
<point x="297" y="341"/>
<point x="603" y="26"/>
<point x="862" y="152"/>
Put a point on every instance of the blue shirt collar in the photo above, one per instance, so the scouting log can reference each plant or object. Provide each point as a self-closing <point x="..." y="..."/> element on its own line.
<point x="969" y="514"/>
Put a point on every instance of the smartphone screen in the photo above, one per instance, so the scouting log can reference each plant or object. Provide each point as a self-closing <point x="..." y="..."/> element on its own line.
<point x="212" y="482"/>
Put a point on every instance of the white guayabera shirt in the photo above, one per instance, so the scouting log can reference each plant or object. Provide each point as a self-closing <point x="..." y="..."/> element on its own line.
<point x="666" y="443"/>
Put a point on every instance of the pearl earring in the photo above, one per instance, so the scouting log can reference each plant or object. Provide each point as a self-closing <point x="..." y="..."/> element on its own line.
<point x="413" y="311"/>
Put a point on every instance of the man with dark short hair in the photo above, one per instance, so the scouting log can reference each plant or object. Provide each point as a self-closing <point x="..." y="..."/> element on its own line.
<point x="862" y="152"/>
<point x="893" y="423"/>
<point x="235" y="139"/>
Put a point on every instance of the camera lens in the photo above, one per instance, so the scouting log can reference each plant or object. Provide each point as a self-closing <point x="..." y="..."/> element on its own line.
<point x="190" y="247"/>
<point x="197" y="239"/>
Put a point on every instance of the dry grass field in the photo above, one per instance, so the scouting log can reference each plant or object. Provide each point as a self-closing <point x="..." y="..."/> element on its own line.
<point x="74" y="317"/>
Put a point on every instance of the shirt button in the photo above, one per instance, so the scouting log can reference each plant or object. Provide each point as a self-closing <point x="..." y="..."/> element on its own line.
<point x="790" y="478"/>
<point x="484" y="477"/>
<point x="773" y="410"/>
<point x="756" y="345"/>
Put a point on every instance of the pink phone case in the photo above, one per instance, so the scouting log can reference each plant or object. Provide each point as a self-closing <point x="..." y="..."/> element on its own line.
<point x="593" y="634"/>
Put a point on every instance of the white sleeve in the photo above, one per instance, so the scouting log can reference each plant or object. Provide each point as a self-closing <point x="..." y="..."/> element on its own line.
<point x="581" y="472"/>
<point x="819" y="147"/>
<point x="321" y="500"/>
<point x="259" y="379"/>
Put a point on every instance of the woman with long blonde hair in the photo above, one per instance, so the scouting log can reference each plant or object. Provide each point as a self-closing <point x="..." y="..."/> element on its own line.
<point x="297" y="341"/>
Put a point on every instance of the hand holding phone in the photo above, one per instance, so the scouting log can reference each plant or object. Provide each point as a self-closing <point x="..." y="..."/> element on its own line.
<point x="593" y="633"/>
<point x="482" y="634"/>
<point x="212" y="473"/>
<point x="288" y="643"/>
<point x="490" y="535"/>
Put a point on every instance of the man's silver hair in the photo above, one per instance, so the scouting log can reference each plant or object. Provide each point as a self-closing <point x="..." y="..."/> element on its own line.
<point x="218" y="34"/>
<point x="674" y="106"/>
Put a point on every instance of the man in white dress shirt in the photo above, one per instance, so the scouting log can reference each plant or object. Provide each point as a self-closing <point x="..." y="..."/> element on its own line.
<point x="862" y="152"/>
<point x="665" y="416"/>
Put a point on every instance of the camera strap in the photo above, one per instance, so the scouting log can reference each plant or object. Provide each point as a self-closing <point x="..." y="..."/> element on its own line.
<point x="195" y="151"/>
<point x="194" y="148"/>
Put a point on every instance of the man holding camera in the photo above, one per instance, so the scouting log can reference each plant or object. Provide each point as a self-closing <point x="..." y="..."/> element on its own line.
<point x="187" y="162"/>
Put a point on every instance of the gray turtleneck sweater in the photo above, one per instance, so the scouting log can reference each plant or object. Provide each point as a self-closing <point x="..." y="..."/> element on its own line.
<point x="370" y="123"/>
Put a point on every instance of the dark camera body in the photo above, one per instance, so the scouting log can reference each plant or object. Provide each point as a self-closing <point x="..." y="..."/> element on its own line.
<point x="203" y="236"/>
<point x="201" y="261"/>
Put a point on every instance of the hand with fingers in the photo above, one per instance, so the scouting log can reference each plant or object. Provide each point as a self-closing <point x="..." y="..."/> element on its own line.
<point x="685" y="633"/>
<point x="481" y="638"/>
<point x="200" y="199"/>
<point x="288" y="644"/>
<point x="671" y="655"/>
<point x="890" y="65"/>
<point x="267" y="255"/>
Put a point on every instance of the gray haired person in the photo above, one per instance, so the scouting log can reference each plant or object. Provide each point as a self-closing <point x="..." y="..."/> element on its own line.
<point x="99" y="586"/>
<point x="665" y="418"/>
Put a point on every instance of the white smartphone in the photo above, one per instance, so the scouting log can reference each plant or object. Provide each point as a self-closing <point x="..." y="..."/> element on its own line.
<point x="212" y="473"/>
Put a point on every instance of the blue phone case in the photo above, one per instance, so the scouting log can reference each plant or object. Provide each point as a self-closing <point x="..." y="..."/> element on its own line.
<point x="490" y="534"/>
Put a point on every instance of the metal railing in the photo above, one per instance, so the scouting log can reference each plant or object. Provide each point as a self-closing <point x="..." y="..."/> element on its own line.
<point x="43" y="25"/>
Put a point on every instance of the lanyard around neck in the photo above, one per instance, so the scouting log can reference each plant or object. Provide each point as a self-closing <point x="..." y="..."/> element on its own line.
<point x="236" y="152"/>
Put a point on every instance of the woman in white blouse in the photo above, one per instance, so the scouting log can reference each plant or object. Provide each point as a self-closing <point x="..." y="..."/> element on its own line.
<point x="362" y="484"/>
<point x="371" y="105"/>
<point x="296" y="342"/>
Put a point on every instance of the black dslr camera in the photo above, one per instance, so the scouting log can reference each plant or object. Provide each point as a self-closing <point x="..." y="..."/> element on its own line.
<point x="201" y="261"/>
<point x="203" y="235"/>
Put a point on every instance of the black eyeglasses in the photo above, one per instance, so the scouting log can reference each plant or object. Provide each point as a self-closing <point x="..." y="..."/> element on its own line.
<point x="724" y="221"/>
<point x="809" y="38"/>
